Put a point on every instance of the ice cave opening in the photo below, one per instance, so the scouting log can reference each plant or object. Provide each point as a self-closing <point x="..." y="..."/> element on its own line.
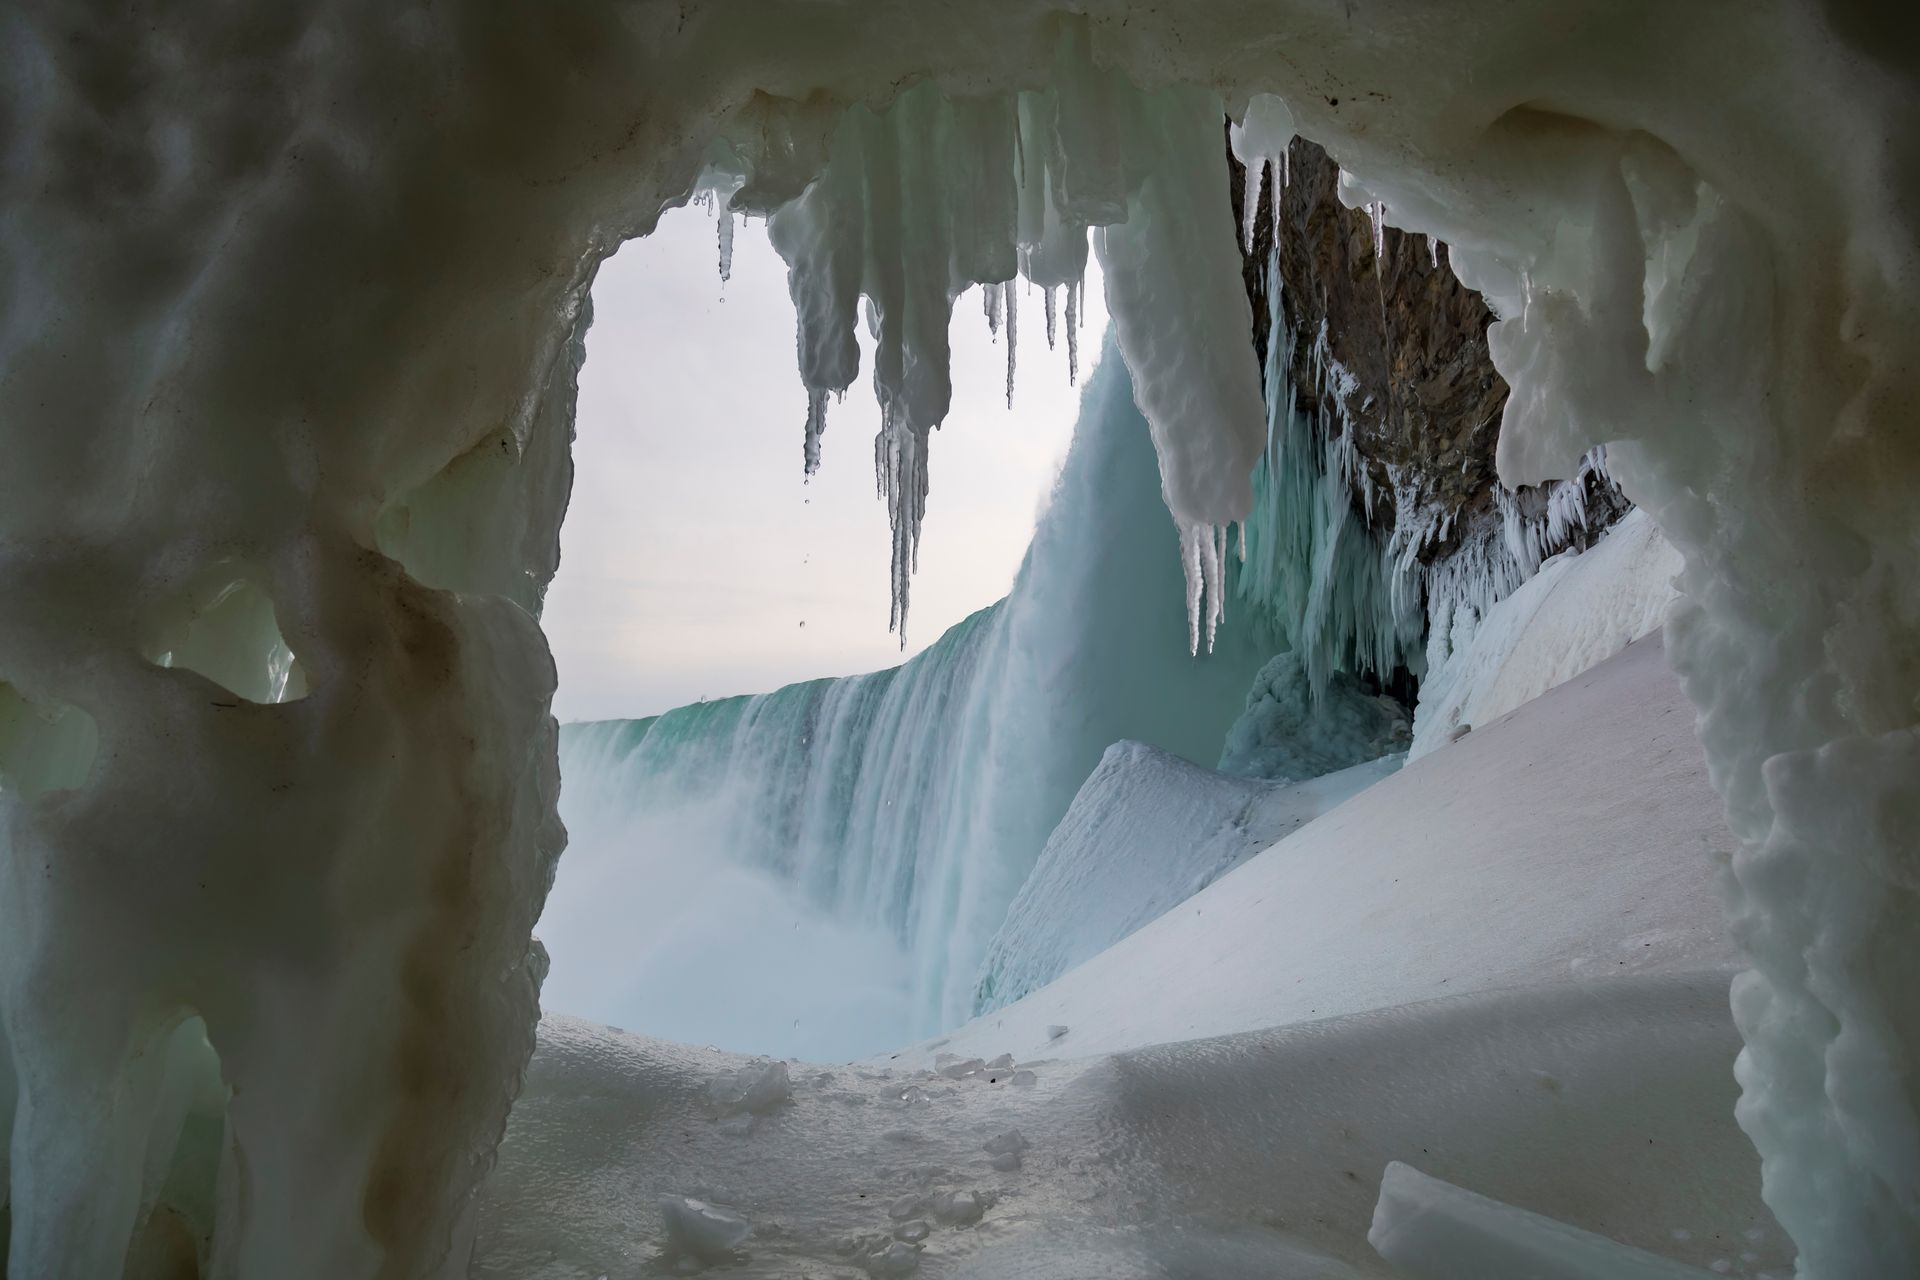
<point x="1437" y="800"/>
<point x="692" y="905"/>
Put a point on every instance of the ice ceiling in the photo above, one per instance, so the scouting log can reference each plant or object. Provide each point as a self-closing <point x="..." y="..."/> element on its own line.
<point x="292" y="306"/>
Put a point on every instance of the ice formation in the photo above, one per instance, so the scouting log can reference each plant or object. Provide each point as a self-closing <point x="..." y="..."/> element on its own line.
<point x="1293" y="730"/>
<point x="929" y="196"/>
<point x="293" y="296"/>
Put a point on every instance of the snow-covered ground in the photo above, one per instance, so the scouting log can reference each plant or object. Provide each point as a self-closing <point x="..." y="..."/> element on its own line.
<point x="1502" y="966"/>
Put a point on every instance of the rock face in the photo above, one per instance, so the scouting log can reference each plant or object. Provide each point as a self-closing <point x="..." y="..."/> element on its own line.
<point x="1425" y="413"/>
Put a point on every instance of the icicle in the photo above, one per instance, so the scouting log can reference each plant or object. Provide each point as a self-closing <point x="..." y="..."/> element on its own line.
<point x="1049" y="293"/>
<point x="1013" y="335"/>
<point x="1073" y="331"/>
<point x="1256" y="175"/>
<point x="1190" y="565"/>
<point x="816" y="427"/>
<point x="1377" y="214"/>
<point x="990" y="299"/>
<point x="725" y="225"/>
<point x="1433" y="252"/>
<point x="1261" y="139"/>
<point x="1203" y="557"/>
<point x="1243" y="541"/>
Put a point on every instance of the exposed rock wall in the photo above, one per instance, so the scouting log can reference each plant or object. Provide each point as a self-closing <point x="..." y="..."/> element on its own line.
<point x="1387" y="345"/>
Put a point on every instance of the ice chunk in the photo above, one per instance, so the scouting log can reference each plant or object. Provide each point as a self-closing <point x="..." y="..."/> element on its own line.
<point x="755" y="1089"/>
<point x="1006" y="1150"/>
<point x="960" y="1208"/>
<point x="1432" y="1231"/>
<point x="893" y="1261"/>
<point x="1010" y="1141"/>
<point x="702" y="1231"/>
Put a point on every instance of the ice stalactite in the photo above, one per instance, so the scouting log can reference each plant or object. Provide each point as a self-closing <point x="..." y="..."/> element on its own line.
<point x="1260" y="140"/>
<point x="1181" y="318"/>
<point x="934" y="195"/>
<point x="1010" y="315"/>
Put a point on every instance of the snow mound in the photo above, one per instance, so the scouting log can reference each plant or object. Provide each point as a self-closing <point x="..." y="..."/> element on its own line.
<point x="1146" y="831"/>
<point x="1580" y="609"/>
<point x="1576" y="839"/>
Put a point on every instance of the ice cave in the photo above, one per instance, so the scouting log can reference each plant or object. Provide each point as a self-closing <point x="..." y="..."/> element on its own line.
<point x="1439" y="799"/>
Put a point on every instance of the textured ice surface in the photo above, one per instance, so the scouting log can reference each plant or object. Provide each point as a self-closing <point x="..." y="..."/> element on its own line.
<point x="1146" y="831"/>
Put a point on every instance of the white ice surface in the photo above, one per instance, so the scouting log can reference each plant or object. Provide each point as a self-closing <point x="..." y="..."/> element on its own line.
<point x="1146" y="831"/>
<point x="1575" y="840"/>
<point x="1580" y="608"/>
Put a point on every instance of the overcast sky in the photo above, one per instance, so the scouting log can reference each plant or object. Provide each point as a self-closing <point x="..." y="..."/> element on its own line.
<point x="693" y="553"/>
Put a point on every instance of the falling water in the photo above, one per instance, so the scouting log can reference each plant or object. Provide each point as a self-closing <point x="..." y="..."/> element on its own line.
<point x="841" y="851"/>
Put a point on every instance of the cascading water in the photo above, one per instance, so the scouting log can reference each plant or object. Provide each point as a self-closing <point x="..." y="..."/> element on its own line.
<point x="839" y="852"/>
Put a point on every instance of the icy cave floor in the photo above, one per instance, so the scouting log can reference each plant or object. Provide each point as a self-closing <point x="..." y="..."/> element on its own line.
<point x="1503" y="966"/>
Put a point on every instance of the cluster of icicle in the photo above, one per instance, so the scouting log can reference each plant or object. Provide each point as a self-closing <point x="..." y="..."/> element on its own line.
<point x="900" y="212"/>
<point x="1341" y="591"/>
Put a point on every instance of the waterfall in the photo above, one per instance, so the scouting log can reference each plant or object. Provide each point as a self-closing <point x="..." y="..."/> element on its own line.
<point x="850" y="846"/>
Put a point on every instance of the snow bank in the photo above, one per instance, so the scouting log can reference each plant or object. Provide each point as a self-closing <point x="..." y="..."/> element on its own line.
<point x="1146" y="831"/>
<point x="1606" y="1105"/>
<point x="1576" y="839"/>
<point x="1582" y="608"/>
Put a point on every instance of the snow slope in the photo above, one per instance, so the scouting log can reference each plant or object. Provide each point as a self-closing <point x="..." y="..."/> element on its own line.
<point x="1146" y="831"/>
<point x="1575" y="839"/>
<point x="1582" y="607"/>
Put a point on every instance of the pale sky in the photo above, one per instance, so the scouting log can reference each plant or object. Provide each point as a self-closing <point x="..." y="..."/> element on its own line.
<point x="692" y="551"/>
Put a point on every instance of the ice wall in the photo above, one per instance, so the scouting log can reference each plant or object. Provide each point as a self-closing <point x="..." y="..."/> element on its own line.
<point x="912" y="802"/>
<point x="289" y="298"/>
